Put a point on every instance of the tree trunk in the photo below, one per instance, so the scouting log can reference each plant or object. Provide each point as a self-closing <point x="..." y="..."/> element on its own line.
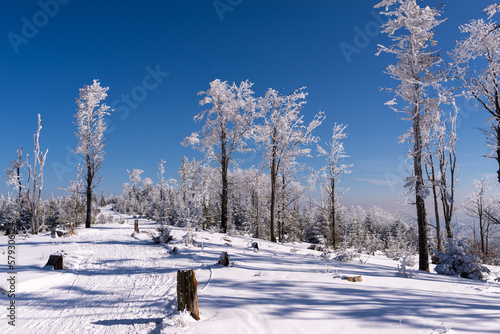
<point x="273" y="197"/>
<point x="224" y="194"/>
<point x="88" y="218"/>
<point x="419" y="200"/>
<point x="436" y="206"/>
<point x="187" y="294"/>
<point x="497" y="129"/>
<point x="332" y="212"/>
<point x="481" y="231"/>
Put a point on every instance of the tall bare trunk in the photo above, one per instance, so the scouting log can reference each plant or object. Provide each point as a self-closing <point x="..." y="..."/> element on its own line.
<point x="224" y="194"/>
<point x="419" y="200"/>
<point x="88" y="218"/>
<point x="332" y="213"/>
<point x="274" y="175"/>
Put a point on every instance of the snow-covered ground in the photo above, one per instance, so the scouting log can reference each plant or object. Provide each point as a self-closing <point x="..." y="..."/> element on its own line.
<point x="118" y="282"/>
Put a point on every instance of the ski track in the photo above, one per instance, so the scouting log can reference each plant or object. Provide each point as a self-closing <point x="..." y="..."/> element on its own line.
<point x="123" y="285"/>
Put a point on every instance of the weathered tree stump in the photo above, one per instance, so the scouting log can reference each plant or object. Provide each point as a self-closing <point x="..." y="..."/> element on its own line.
<point x="136" y="226"/>
<point x="187" y="295"/>
<point x="224" y="259"/>
<point x="255" y="245"/>
<point x="56" y="261"/>
<point x="354" y="279"/>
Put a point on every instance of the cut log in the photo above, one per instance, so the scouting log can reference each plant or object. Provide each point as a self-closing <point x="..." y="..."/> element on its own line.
<point x="354" y="279"/>
<point x="136" y="226"/>
<point x="56" y="261"/>
<point x="224" y="259"/>
<point x="187" y="292"/>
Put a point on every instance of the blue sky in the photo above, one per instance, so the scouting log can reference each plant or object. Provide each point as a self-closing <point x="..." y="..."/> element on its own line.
<point x="157" y="55"/>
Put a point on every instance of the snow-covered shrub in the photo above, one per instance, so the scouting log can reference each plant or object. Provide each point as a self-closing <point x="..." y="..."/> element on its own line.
<point x="188" y="238"/>
<point x="164" y="236"/>
<point x="405" y="266"/>
<point x="459" y="260"/>
<point x="346" y="255"/>
<point x="183" y="319"/>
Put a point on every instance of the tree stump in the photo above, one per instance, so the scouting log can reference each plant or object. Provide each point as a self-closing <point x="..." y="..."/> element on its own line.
<point x="354" y="279"/>
<point x="187" y="295"/>
<point x="224" y="259"/>
<point x="136" y="226"/>
<point x="56" y="261"/>
<point x="255" y="245"/>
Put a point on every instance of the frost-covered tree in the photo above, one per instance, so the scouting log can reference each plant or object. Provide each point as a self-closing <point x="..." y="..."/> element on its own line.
<point x="483" y="205"/>
<point x="334" y="154"/>
<point x="13" y="174"/>
<point x="411" y="27"/>
<point x="284" y="138"/>
<point x="74" y="192"/>
<point x="90" y="135"/>
<point x="477" y="63"/>
<point x="227" y="126"/>
<point x="439" y="139"/>
<point x="134" y="177"/>
<point x="35" y="176"/>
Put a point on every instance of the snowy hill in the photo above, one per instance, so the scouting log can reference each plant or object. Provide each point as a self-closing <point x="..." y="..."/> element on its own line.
<point x="116" y="281"/>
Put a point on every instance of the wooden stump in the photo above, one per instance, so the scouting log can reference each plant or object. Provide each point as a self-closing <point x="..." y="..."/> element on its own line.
<point x="224" y="259"/>
<point x="187" y="295"/>
<point x="56" y="261"/>
<point x="136" y="226"/>
<point x="255" y="245"/>
<point x="354" y="279"/>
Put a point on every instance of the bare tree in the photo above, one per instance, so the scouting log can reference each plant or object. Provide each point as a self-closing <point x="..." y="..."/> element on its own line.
<point x="225" y="131"/>
<point x="483" y="206"/>
<point x="35" y="175"/>
<point x="91" y="128"/>
<point x="414" y="49"/>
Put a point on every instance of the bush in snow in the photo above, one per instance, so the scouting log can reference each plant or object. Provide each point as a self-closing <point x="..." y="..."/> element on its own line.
<point x="405" y="265"/>
<point x="345" y="254"/>
<point x="459" y="260"/>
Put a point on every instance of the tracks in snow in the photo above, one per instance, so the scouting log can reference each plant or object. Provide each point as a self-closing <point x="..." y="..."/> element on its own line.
<point x="123" y="285"/>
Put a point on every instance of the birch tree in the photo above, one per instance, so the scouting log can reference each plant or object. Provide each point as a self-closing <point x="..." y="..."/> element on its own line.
<point x="334" y="154"/>
<point x="226" y="128"/>
<point x="412" y="29"/>
<point x="90" y="135"/>
<point x="477" y="64"/>
<point x="284" y="137"/>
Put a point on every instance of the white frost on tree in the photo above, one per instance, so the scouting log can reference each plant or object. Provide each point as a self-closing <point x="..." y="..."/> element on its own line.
<point x="411" y="28"/>
<point x="334" y="154"/>
<point x="284" y="137"/>
<point x="90" y="135"/>
<point x="477" y="63"/>
<point x="35" y="176"/>
<point x="226" y="128"/>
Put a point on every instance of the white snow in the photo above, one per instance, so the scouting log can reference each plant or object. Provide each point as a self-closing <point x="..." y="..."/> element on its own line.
<point x="117" y="281"/>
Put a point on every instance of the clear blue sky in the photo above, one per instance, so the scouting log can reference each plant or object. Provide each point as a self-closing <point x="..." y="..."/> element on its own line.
<point x="287" y="44"/>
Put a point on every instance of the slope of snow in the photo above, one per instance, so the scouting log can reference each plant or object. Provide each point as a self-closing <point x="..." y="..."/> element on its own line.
<point x="117" y="281"/>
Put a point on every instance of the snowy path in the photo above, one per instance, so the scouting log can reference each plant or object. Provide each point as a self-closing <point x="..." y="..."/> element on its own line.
<point x="123" y="285"/>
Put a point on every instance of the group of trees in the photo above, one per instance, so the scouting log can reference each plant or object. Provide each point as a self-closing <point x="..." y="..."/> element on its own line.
<point x="424" y="91"/>
<point x="270" y="200"/>
<point x="28" y="204"/>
